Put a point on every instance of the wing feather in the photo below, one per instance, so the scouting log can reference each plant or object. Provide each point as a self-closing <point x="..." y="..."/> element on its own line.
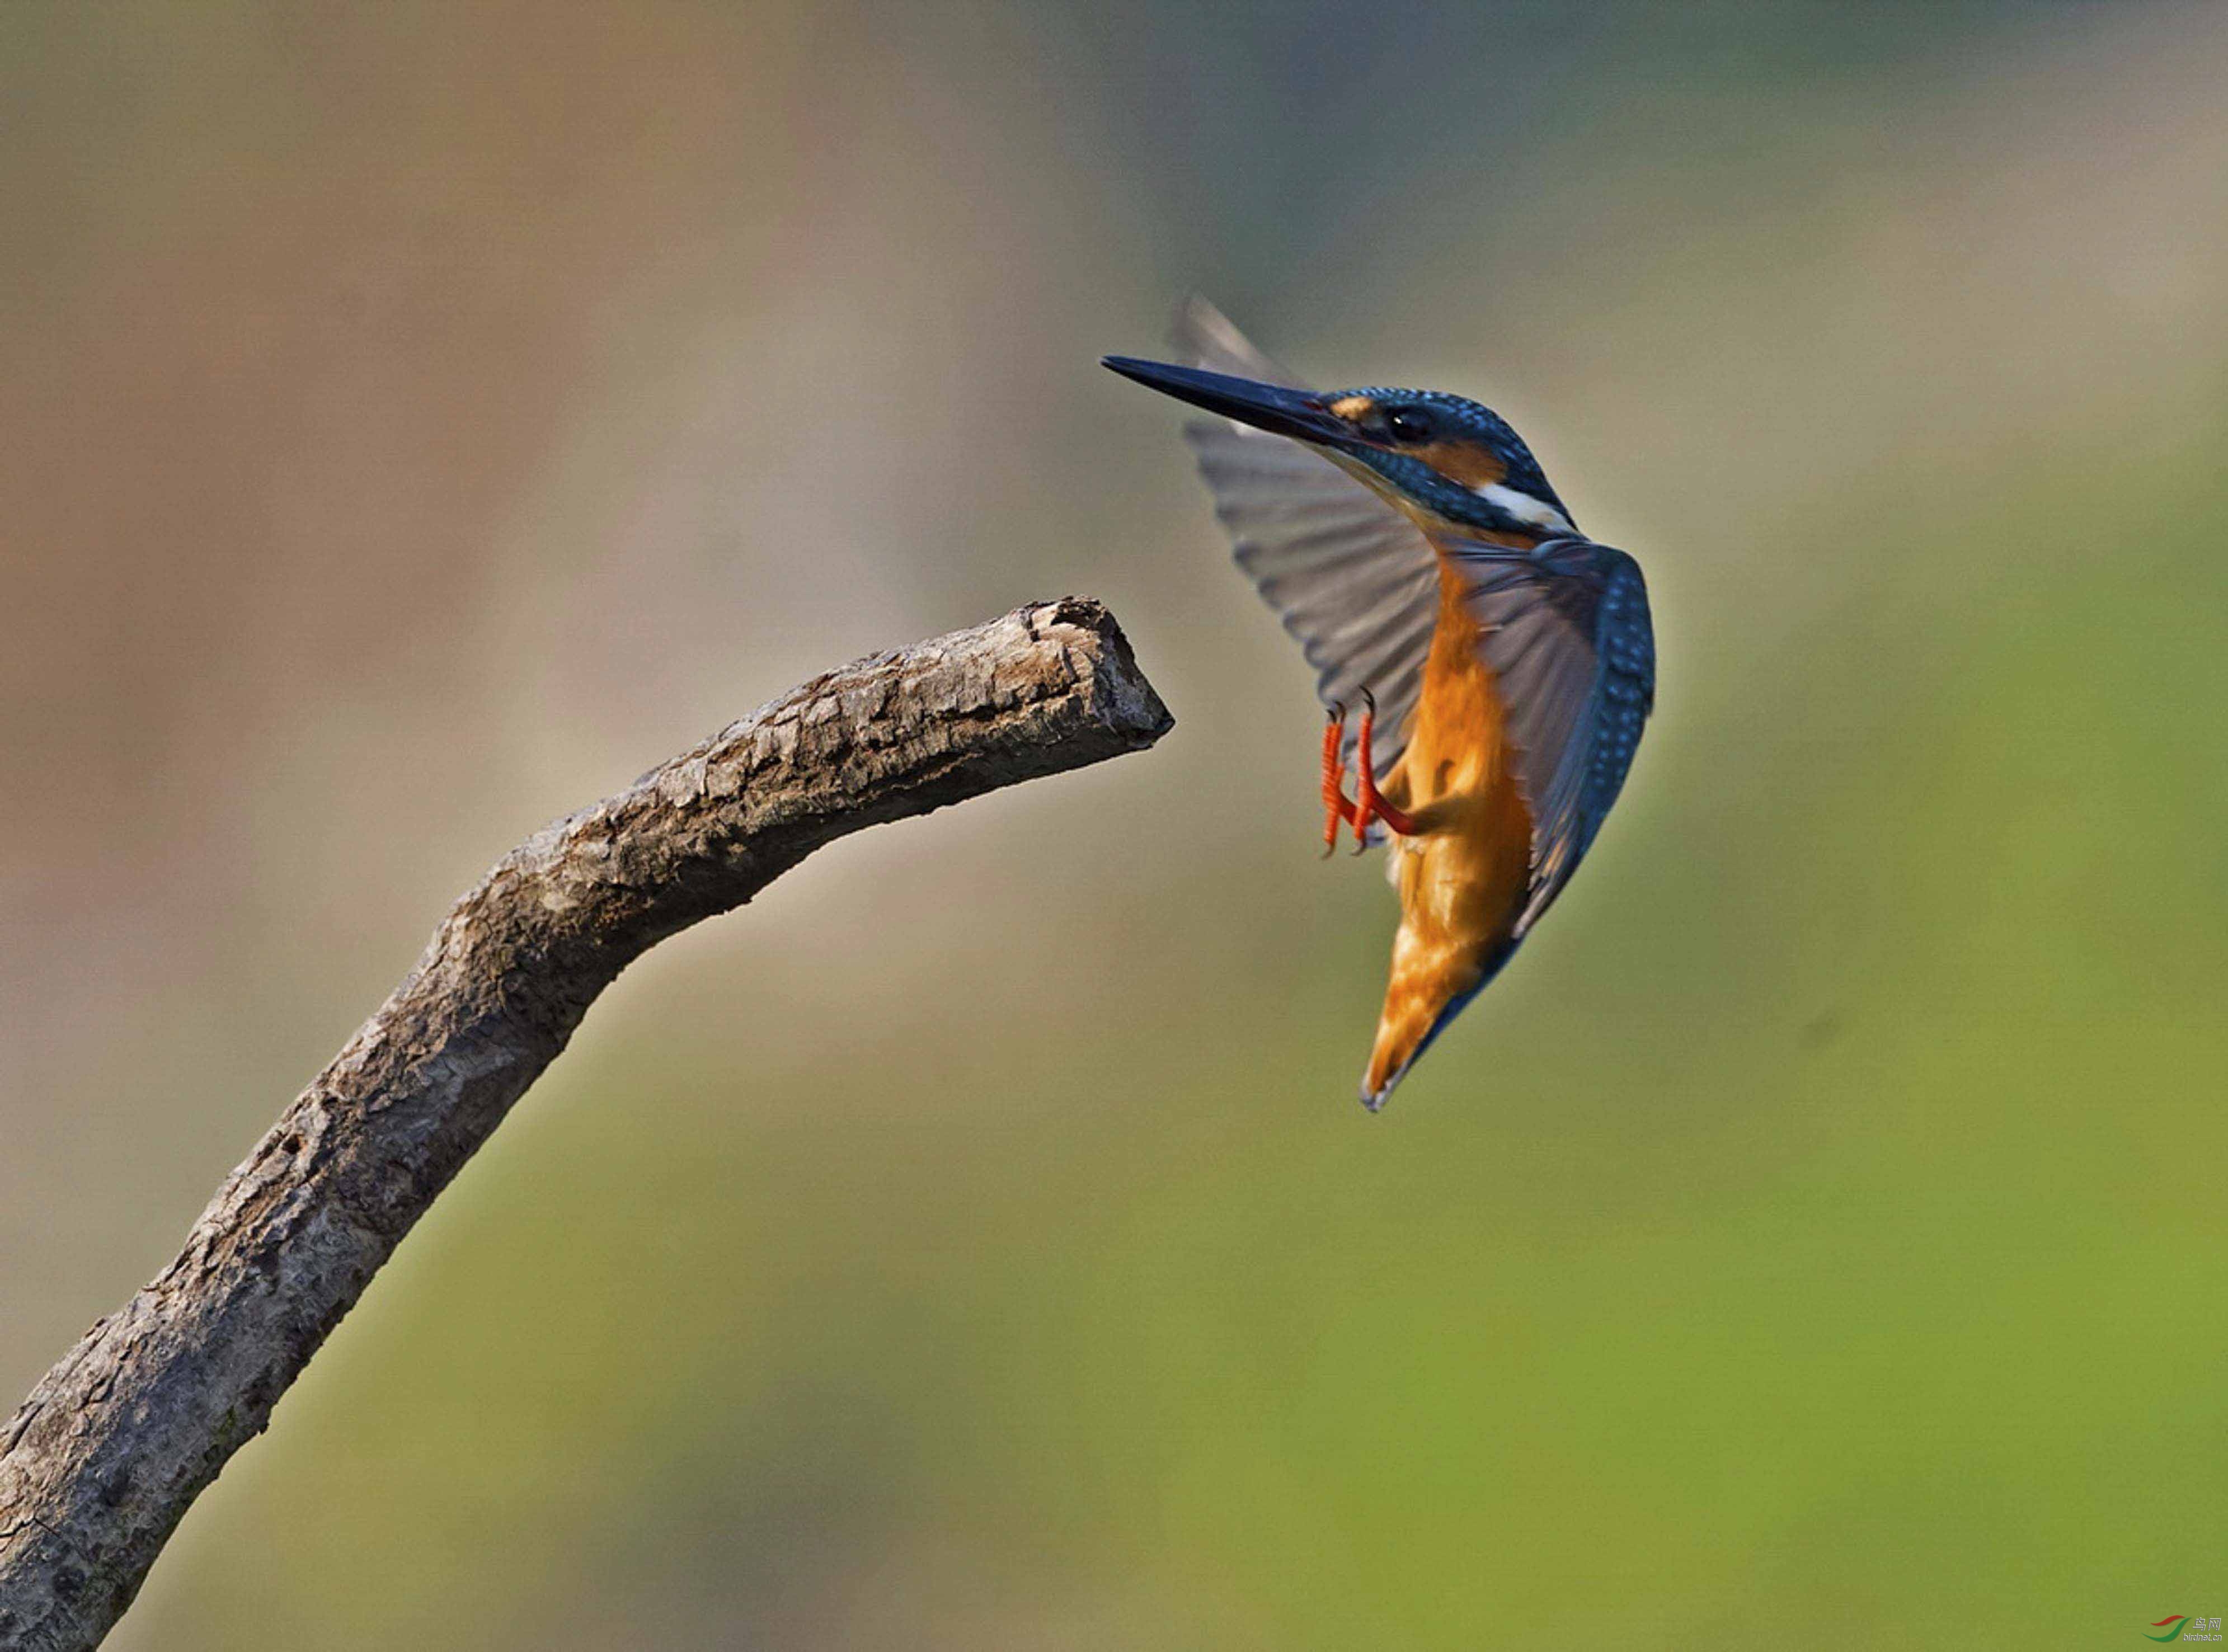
<point x="1351" y="579"/>
<point x="1567" y="633"/>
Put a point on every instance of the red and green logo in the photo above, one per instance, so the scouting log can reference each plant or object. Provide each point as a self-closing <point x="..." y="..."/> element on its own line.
<point x="2171" y="1626"/>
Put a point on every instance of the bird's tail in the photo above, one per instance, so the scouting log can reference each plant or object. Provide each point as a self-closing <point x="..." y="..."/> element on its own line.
<point x="1422" y="997"/>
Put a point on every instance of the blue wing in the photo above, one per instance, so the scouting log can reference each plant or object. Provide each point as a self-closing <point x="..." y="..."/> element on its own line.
<point x="1567" y="633"/>
<point x="1353" y="579"/>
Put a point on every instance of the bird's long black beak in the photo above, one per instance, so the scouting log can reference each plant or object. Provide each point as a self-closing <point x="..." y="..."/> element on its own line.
<point x="1266" y="406"/>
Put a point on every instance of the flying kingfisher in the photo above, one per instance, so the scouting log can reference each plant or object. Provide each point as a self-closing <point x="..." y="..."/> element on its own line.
<point x="1502" y="663"/>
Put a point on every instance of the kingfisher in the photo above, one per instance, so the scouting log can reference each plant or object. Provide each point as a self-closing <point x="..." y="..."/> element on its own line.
<point x="1502" y="663"/>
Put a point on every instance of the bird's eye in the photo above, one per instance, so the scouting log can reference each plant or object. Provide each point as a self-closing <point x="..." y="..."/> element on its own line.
<point x="1408" y="425"/>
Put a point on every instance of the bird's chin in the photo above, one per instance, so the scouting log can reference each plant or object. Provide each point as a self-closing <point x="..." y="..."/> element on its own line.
<point x="1359" y="467"/>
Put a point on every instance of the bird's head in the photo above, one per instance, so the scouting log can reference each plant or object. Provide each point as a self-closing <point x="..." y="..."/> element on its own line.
<point x="1442" y="458"/>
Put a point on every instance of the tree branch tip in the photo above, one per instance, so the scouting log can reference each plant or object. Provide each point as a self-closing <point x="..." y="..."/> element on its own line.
<point x="111" y="1447"/>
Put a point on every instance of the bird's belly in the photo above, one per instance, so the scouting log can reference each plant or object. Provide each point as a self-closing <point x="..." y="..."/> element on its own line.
<point x="1463" y="874"/>
<point x="1466" y="873"/>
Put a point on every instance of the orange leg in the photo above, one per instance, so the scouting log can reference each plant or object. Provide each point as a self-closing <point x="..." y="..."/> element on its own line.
<point x="1367" y="803"/>
<point x="1336" y="807"/>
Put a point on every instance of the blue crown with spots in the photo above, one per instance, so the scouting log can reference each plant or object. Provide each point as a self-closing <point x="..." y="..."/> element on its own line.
<point x="1410" y="419"/>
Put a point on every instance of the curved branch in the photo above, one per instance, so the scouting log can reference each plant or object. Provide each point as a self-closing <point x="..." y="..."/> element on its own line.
<point x="99" y="1465"/>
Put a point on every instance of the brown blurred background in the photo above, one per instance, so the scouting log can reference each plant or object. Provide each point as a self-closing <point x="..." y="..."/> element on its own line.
<point x="421" y="419"/>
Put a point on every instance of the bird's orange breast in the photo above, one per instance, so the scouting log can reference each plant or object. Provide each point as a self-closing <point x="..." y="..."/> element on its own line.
<point x="1463" y="876"/>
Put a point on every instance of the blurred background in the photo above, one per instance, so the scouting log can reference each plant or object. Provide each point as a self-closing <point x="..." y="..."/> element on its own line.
<point x="420" y="418"/>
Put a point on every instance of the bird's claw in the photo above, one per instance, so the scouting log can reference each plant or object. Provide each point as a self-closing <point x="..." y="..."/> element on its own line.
<point x="1336" y="807"/>
<point x="1369" y="803"/>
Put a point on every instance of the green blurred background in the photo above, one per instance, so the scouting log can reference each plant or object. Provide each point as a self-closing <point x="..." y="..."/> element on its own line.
<point x="422" y="418"/>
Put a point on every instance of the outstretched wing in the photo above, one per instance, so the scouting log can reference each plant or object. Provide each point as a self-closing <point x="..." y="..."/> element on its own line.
<point x="1567" y="634"/>
<point x="1354" y="579"/>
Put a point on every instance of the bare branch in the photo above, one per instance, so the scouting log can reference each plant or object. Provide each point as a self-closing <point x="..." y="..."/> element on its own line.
<point x="102" y="1461"/>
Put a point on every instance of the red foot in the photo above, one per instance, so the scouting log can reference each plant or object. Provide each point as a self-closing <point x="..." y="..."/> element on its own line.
<point x="1368" y="804"/>
<point x="1336" y="807"/>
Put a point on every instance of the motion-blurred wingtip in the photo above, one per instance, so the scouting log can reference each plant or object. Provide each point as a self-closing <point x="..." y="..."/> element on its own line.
<point x="1202" y="336"/>
<point x="1196" y="309"/>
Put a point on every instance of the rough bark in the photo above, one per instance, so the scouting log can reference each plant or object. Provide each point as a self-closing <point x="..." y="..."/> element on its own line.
<point x="102" y="1460"/>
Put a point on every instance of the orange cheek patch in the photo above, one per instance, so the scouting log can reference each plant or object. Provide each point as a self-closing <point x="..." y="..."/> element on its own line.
<point x="1353" y="408"/>
<point x="1470" y="464"/>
